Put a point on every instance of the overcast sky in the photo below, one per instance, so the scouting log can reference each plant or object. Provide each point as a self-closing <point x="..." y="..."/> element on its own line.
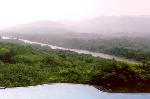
<point x="13" y="12"/>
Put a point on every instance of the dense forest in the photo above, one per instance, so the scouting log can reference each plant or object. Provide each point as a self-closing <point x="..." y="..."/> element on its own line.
<point x="25" y="65"/>
<point x="128" y="47"/>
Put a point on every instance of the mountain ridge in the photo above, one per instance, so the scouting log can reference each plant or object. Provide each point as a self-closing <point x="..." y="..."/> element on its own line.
<point x="100" y="25"/>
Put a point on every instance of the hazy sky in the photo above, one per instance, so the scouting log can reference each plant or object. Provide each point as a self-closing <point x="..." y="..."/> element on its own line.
<point x="14" y="12"/>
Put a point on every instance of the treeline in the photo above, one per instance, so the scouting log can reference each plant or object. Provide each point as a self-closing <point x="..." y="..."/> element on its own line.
<point x="23" y="65"/>
<point x="128" y="47"/>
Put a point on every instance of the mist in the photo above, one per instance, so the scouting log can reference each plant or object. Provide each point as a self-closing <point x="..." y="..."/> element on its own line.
<point x="25" y="11"/>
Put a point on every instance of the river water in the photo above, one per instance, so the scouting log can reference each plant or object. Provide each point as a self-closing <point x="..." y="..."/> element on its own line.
<point x="102" y="55"/>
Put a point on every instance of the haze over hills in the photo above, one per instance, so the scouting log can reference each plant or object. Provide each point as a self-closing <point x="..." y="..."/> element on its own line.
<point x="112" y="24"/>
<point x="39" y="27"/>
<point x="100" y="25"/>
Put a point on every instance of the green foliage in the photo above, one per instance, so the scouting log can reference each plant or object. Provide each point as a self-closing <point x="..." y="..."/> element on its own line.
<point x="136" y="48"/>
<point x="22" y="65"/>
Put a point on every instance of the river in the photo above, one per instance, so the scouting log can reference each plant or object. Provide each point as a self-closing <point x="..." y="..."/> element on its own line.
<point x="95" y="54"/>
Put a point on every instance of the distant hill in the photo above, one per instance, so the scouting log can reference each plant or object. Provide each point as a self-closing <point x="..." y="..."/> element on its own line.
<point x="39" y="27"/>
<point x="116" y="25"/>
<point x="113" y="24"/>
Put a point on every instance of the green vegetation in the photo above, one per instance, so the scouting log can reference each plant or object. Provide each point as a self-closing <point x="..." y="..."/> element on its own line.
<point x="131" y="46"/>
<point x="136" y="48"/>
<point x="24" y="65"/>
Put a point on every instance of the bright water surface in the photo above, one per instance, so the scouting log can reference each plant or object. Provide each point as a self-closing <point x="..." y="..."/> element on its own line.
<point x="102" y="55"/>
<point x="64" y="91"/>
